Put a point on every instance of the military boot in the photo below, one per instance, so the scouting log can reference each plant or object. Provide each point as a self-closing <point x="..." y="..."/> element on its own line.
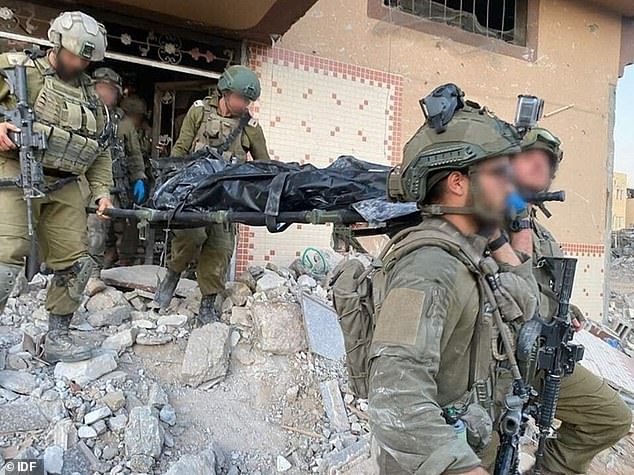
<point x="166" y="289"/>
<point x="207" y="312"/>
<point x="59" y="346"/>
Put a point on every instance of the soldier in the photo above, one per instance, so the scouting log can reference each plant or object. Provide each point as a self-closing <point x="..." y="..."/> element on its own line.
<point x="593" y="415"/>
<point x="74" y="156"/>
<point x="118" y="242"/>
<point x="221" y="120"/>
<point x="431" y="354"/>
<point x="135" y="108"/>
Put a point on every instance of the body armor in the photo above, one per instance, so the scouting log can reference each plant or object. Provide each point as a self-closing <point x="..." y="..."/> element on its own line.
<point x="70" y="118"/>
<point x="215" y="129"/>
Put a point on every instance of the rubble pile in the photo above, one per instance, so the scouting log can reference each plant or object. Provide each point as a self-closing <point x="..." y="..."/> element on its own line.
<point x="261" y="391"/>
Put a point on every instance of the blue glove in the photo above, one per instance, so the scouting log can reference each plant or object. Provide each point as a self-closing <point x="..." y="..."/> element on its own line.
<point x="139" y="191"/>
<point x="516" y="207"/>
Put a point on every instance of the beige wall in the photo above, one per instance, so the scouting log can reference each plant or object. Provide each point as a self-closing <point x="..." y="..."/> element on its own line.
<point x="577" y="61"/>
<point x="629" y="213"/>
<point x="619" y="201"/>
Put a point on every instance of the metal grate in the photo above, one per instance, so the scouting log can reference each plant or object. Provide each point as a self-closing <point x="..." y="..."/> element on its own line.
<point x="501" y="19"/>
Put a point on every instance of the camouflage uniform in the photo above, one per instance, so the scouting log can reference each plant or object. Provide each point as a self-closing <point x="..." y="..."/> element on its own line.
<point x="70" y="114"/>
<point x="108" y="239"/>
<point x="593" y="415"/>
<point x="431" y="344"/>
<point x="431" y="354"/>
<point x="213" y="245"/>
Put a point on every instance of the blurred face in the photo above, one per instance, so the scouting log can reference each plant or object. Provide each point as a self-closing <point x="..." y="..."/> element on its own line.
<point x="68" y="66"/>
<point x="531" y="170"/>
<point x="235" y="103"/>
<point x="107" y="93"/>
<point x="493" y="185"/>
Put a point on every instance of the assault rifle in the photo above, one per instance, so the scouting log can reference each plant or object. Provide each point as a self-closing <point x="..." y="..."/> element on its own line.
<point x="120" y="177"/>
<point x="31" y="178"/>
<point x="557" y="355"/>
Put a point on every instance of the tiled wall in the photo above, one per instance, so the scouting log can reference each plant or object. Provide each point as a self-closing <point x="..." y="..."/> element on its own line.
<point x="588" y="292"/>
<point x="313" y="110"/>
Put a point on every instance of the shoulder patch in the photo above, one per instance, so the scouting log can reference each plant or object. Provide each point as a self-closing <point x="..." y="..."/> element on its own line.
<point x="253" y="122"/>
<point x="198" y="103"/>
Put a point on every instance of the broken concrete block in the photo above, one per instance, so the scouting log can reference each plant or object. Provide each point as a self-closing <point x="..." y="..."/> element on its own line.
<point x="3" y="359"/>
<point x="168" y="415"/>
<point x="83" y="372"/>
<point x="247" y="278"/>
<point x="86" y="432"/>
<point x="203" y="463"/>
<point x="64" y="434"/>
<point x="241" y="316"/>
<point x="118" y="423"/>
<point x="107" y="299"/>
<point x="349" y="458"/>
<point x="172" y="320"/>
<point x="153" y="339"/>
<point x="269" y="280"/>
<point x="97" y="415"/>
<point x="207" y="354"/>
<point x="114" y="400"/>
<point x="279" y="327"/>
<point x="322" y="328"/>
<point x="94" y="286"/>
<point x="306" y="281"/>
<point x="282" y="464"/>
<point x="114" y="316"/>
<point x="238" y="292"/>
<point x="143" y="435"/>
<point x="21" y="416"/>
<point x="80" y="459"/>
<point x="334" y="406"/>
<point x="121" y="341"/>
<point x="157" y="396"/>
<point x="53" y="459"/>
<point x="144" y="277"/>
<point x="17" y="381"/>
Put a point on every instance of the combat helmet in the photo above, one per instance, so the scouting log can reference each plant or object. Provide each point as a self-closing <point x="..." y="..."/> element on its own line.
<point x="109" y="76"/>
<point x="80" y="34"/>
<point x="133" y="105"/>
<point x="456" y="136"/>
<point x="539" y="138"/>
<point x="241" y="80"/>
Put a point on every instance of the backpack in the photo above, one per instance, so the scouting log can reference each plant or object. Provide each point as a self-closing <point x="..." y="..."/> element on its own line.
<point x="355" y="297"/>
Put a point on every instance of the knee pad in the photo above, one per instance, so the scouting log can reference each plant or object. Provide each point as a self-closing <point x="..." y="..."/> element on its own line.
<point x="75" y="278"/>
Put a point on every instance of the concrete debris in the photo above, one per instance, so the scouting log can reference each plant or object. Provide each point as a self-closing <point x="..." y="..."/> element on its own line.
<point x="143" y="435"/>
<point x="94" y="286"/>
<point x="341" y="460"/>
<point x="157" y="396"/>
<point x="207" y="355"/>
<point x="114" y="316"/>
<point x="97" y="415"/>
<point x="269" y="281"/>
<point x="115" y="400"/>
<point x="106" y="299"/>
<point x="241" y="317"/>
<point x="83" y="372"/>
<point x="334" y="406"/>
<point x="32" y="339"/>
<point x="121" y="341"/>
<point x="64" y="434"/>
<point x="203" y="463"/>
<point x="238" y="292"/>
<point x="152" y="339"/>
<point x="322" y="328"/>
<point x="168" y="415"/>
<point x="279" y="327"/>
<point x="143" y="277"/>
<point x="282" y="464"/>
<point x="86" y="432"/>
<point x="172" y="320"/>
<point x="21" y="416"/>
<point x="17" y="381"/>
<point x="54" y="459"/>
<point x="118" y="423"/>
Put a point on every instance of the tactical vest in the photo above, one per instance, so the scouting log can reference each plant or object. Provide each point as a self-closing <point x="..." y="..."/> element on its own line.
<point x="214" y="130"/>
<point x="67" y="115"/>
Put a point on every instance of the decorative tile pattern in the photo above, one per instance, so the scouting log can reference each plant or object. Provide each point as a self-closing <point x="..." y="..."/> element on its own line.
<point x="313" y="110"/>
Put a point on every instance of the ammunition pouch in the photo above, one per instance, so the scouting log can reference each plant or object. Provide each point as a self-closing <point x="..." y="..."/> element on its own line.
<point x="66" y="151"/>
